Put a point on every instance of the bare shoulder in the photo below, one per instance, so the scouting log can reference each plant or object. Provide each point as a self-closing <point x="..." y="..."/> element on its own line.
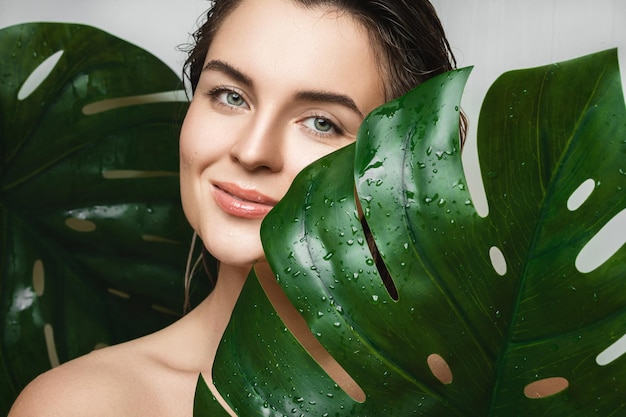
<point x="82" y="384"/>
<point x="120" y="380"/>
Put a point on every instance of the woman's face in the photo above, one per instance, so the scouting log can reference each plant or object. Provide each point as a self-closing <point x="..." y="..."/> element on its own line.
<point x="281" y="87"/>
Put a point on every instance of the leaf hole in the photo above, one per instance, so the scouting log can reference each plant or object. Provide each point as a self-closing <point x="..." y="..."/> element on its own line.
<point x="299" y="328"/>
<point x="120" y="102"/>
<point x="51" y="346"/>
<point x="121" y="174"/>
<point x="159" y="239"/>
<point x="383" y="272"/>
<point x="545" y="387"/>
<point x="165" y="310"/>
<point x="440" y="369"/>
<point x="80" y="225"/>
<point x="613" y="352"/>
<point x="38" y="277"/>
<point x="118" y="293"/>
<point x="498" y="261"/>
<point x="581" y="194"/>
<point x="39" y="75"/>
<point x="603" y="245"/>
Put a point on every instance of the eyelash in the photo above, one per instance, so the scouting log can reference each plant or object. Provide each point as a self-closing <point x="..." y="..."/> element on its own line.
<point x="335" y="130"/>
<point x="214" y="94"/>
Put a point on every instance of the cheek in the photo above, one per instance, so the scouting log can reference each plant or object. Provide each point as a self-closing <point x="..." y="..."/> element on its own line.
<point x="188" y="141"/>
<point x="189" y="164"/>
<point x="204" y="138"/>
<point x="186" y="195"/>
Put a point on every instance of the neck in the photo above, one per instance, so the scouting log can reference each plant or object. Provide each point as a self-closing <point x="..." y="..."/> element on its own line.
<point x="230" y="281"/>
<point x="222" y="300"/>
<point x="212" y="315"/>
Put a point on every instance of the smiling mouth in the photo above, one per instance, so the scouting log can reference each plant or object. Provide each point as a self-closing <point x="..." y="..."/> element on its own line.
<point x="240" y="202"/>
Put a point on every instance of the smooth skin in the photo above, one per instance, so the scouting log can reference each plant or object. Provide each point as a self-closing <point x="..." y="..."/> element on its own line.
<point x="282" y="87"/>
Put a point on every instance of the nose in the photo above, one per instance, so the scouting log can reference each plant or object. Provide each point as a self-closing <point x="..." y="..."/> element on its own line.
<point x="260" y="145"/>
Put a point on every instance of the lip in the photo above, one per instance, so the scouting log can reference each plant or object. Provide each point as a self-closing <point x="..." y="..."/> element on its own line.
<point x="242" y="202"/>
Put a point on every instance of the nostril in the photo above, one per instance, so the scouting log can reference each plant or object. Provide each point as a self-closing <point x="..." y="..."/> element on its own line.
<point x="258" y="159"/>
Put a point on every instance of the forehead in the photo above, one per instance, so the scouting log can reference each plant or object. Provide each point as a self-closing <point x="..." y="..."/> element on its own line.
<point x="317" y="45"/>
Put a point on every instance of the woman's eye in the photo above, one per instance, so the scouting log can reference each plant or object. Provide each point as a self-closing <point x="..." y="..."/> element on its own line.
<point x="234" y="99"/>
<point x="229" y="98"/>
<point x="321" y="125"/>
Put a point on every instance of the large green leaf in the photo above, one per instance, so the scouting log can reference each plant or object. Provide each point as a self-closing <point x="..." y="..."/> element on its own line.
<point x="499" y="299"/>
<point x="93" y="239"/>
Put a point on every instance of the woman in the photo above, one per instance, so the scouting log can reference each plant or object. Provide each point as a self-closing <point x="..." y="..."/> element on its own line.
<point x="277" y="84"/>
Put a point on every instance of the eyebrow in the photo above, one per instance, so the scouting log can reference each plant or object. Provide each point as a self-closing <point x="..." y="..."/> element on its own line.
<point x="326" y="97"/>
<point x="221" y="66"/>
<point x="314" y="96"/>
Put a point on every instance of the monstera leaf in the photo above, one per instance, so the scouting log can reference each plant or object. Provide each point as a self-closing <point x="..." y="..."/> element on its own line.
<point x="94" y="241"/>
<point x="485" y="316"/>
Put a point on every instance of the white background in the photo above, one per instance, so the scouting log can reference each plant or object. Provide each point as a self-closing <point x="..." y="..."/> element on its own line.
<point x="499" y="35"/>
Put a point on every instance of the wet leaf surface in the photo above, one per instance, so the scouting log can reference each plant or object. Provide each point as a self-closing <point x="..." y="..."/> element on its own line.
<point x="492" y="315"/>
<point x="93" y="240"/>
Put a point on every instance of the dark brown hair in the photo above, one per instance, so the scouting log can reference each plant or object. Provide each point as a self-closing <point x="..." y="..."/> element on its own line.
<point x="409" y="39"/>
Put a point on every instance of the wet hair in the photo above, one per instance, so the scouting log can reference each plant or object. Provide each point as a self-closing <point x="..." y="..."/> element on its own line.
<point x="408" y="40"/>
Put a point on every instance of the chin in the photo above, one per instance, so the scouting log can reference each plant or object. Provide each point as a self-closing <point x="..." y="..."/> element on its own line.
<point x="240" y="255"/>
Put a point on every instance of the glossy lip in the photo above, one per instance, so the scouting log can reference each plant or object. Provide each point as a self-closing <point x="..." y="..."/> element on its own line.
<point x="241" y="202"/>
